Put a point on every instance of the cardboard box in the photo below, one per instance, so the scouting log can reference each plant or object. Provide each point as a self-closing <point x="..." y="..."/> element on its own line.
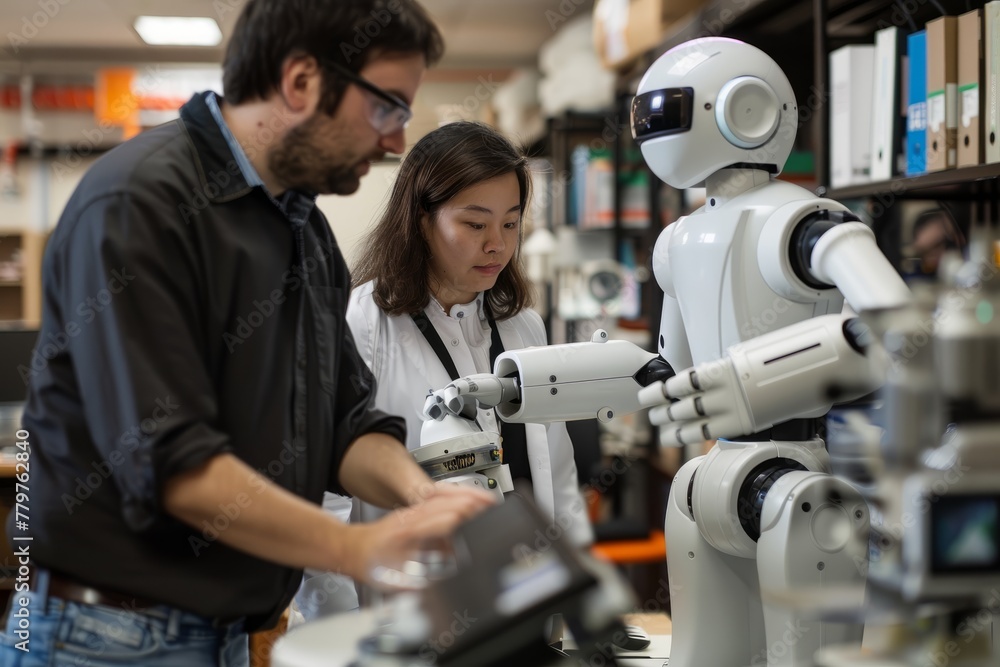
<point x="942" y="93"/>
<point x="970" y="85"/>
<point x="625" y="29"/>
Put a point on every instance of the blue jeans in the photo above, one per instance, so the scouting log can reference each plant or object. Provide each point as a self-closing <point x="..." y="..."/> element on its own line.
<point x="58" y="633"/>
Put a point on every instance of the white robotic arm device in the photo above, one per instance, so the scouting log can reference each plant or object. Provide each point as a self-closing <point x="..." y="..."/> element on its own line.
<point x="598" y="379"/>
<point x="847" y="257"/>
<point x="797" y="371"/>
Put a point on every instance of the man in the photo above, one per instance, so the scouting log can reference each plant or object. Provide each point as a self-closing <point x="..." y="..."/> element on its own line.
<point x="201" y="388"/>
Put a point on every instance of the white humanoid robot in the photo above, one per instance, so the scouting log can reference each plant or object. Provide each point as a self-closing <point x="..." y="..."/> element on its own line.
<point x="754" y="283"/>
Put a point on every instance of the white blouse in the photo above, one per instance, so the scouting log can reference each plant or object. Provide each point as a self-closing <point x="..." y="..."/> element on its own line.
<point x="406" y="368"/>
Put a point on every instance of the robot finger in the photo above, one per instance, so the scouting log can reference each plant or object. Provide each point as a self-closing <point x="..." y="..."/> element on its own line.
<point x="683" y="384"/>
<point x="452" y="399"/>
<point x="693" y="407"/>
<point x="653" y="395"/>
<point x="660" y="416"/>
<point x="433" y="407"/>
<point x="686" y="434"/>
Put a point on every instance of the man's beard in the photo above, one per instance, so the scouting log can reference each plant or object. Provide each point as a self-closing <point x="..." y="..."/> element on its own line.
<point x="299" y="164"/>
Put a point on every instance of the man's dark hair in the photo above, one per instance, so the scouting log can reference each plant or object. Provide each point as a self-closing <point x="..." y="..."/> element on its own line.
<point x="349" y="33"/>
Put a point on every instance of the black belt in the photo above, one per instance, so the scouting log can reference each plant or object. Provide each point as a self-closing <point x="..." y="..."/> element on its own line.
<point x="63" y="587"/>
<point x="70" y="590"/>
<point x="515" y="441"/>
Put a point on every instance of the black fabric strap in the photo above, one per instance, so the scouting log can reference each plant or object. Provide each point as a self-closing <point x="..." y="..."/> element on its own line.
<point x="515" y="441"/>
<point x="431" y="334"/>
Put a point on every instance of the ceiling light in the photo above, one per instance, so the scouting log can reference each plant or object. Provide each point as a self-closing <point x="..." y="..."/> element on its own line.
<point x="178" y="30"/>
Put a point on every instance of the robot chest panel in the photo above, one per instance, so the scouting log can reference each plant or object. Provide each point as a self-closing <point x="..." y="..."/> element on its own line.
<point x="721" y="292"/>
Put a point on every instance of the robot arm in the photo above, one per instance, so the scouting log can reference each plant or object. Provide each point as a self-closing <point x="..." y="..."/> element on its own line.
<point x="797" y="371"/>
<point x="845" y="255"/>
<point x="598" y="379"/>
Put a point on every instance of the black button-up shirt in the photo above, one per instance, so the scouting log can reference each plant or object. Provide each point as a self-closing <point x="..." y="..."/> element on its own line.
<point x="186" y="314"/>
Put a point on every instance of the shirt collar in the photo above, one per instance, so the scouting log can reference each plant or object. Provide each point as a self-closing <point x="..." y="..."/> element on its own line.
<point x="224" y="169"/>
<point x="461" y="311"/>
<point x="253" y="179"/>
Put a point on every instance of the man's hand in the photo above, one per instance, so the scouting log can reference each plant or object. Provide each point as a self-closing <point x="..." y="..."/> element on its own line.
<point x="392" y="540"/>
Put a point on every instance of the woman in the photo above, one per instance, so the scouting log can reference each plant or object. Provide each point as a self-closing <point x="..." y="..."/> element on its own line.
<point x="447" y="249"/>
<point x="446" y="253"/>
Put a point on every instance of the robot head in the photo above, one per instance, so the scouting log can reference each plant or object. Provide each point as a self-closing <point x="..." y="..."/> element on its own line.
<point x="713" y="103"/>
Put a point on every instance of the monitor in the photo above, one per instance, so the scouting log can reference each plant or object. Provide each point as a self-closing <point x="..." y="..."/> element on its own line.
<point x="16" y="347"/>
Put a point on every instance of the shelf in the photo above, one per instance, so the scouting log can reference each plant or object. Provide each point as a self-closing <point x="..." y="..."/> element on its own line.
<point x="949" y="182"/>
<point x="623" y="231"/>
<point x="11" y="283"/>
<point x="719" y="17"/>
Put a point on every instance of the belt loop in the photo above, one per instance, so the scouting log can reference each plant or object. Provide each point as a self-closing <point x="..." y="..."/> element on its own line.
<point x="40" y="587"/>
<point x="174" y="623"/>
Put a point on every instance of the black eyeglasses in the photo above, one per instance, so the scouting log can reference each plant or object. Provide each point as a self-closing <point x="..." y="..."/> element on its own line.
<point x="390" y="114"/>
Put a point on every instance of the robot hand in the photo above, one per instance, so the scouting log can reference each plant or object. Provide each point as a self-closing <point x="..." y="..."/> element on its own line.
<point x="797" y="371"/>
<point x="483" y="389"/>
<point x="702" y="403"/>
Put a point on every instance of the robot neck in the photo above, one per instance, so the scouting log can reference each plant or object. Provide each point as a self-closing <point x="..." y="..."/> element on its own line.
<point x="725" y="184"/>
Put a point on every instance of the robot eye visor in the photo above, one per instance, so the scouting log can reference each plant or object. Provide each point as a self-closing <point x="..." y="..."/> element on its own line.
<point x="657" y="113"/>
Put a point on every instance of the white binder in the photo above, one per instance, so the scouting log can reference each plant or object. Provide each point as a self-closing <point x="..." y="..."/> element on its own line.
<point x="991" y="107"/>
<point x="851" y="79"/>
<point x="886" y="122"/>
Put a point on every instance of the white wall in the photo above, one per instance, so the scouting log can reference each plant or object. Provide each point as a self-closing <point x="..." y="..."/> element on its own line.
<point x="42" y="197"/>
<point x="351" y="217"/>
<point x="44" y="187"/>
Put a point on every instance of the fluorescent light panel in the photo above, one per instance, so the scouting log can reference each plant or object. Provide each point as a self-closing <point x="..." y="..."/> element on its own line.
<point x="178" y="30"/>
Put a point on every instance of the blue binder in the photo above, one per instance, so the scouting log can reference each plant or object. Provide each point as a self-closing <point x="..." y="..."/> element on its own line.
<point x="916" y="109"/>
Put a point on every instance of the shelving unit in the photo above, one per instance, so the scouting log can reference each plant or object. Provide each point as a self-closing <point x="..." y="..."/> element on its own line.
<point x="963" y="183"/>
<point x="778" y="27"/>
<point x="21" y="295"/>
<point x="609" y="130"/>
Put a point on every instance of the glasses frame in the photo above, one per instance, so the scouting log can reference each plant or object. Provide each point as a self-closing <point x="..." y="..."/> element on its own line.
<point x="373" y="89"/>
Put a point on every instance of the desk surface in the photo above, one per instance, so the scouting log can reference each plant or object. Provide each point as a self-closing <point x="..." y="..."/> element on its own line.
<point x="654" y="624"/>
<point x="332" y="641"/>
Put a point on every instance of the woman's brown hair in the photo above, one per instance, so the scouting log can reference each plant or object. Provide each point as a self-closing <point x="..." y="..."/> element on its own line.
<point x="442" y="164"/>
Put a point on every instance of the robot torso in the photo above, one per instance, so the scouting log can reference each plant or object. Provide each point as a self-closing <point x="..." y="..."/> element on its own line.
<point x="728" y="267"/>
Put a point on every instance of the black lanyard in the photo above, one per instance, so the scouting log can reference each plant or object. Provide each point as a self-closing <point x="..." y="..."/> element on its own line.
<point x="515" y="442"/>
